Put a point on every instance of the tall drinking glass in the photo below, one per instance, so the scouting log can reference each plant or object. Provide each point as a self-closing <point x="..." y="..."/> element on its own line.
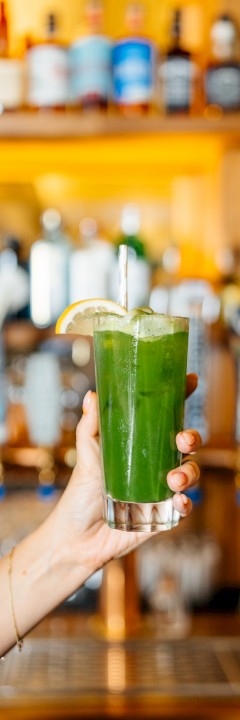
<point x="140" y="362"/>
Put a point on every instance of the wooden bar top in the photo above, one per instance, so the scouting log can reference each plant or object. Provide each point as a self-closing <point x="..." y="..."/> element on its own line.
<point x="69" y="670"/>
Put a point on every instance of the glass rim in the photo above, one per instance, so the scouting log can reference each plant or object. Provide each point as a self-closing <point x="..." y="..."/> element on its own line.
<point x="129" y="324"/>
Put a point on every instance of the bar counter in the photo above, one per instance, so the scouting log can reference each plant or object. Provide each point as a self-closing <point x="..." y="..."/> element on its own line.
<point x="67" y="669"/>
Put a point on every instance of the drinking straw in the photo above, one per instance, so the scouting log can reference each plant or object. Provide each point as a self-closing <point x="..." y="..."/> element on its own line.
<point x="123" y="275"/>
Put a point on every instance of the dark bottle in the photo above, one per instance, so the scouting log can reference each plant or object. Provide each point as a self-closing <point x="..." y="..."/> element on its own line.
<point x="222" y="77"/>
<point x="177" y="73"/>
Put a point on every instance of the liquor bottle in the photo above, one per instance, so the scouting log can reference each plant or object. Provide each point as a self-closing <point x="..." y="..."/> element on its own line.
<point x="90" y="63"/>
<point x="11" y="69"/>
<point x="3" y="31"/>
<point x="14" y="284"/>
<point x="49" y="271"/>
<point x="197" y="300"/>
<point x="177" y="73"/>
<point x="134" y="59"/>
<point x="14" y="271"/>
<point x="139" y="271"/>
<point x="222" y="77"/>
<point x="47" y="70"/>
<point x="42" y="392"/>
<point x="90" y="263"/>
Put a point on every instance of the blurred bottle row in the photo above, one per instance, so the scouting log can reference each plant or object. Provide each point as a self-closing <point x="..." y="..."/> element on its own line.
<point x="61" y="269"/>
<point x="50" y="377"/>
<point x="130" y="73"/>
<point x="59" y="272"/>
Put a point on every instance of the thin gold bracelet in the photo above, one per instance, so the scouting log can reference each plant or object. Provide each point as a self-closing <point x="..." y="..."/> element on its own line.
<point x="19" y="641"/>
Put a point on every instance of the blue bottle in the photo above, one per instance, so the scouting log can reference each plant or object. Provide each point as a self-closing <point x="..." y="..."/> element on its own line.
<point x="134" y="60"/>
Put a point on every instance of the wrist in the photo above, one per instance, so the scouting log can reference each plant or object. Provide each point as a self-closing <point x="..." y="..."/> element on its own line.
<point x="45" y="573"/>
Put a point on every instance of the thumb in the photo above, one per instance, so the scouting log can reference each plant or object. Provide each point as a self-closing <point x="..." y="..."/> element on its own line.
<point x="87" y="431"/>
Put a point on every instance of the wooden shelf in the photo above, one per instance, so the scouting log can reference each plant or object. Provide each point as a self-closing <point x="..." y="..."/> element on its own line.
<point x="71" y="125"/>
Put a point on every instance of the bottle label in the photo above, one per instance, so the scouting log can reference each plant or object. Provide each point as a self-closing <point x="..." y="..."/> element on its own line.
<point x="11" y="83"/>
<point x="223" y="87"/>
<point x="177" y="78"/>
<point x="47" y="69"/>
<point x="90" y="62"/>
<point x="133" y="71"/>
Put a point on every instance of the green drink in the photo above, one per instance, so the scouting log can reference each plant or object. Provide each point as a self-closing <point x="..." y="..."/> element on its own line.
<point x="140" y="364"/>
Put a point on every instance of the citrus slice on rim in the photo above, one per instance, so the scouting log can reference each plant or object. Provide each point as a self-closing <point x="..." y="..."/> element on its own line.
<point x="78" y="318"/>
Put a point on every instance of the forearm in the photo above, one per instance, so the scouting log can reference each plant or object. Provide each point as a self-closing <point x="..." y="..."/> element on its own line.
<point x="44" y="573"/>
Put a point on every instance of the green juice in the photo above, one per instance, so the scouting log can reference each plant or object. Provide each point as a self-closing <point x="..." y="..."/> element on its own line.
<point x="141" y="379"/>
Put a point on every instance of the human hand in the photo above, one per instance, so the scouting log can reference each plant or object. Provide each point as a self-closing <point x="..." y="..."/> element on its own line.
<point x="73" y="542"/>
<point x="79" y="510"/>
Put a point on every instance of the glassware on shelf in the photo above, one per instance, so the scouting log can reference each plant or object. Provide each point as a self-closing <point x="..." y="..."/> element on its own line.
<point x="90" y="63"/>
<point x="43" y="389"/>
<point x="14" y="284"/>
<point x="197" y="299"/>
<point x="3" y="30"/>
<point x="11" y="69"/>
<point x="222" y="75"/>
<point x="134" y="65"/>
<point x="49" y="271"/>
<point x="47" y="69"/>
<point x="176" y="576"/>
<point x="177" y="73"/>
<point x="194" y="299"/>
<point x="90" y="264"/>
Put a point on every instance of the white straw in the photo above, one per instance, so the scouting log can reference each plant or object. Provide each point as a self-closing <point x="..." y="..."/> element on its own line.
<point x="123" y="275"/>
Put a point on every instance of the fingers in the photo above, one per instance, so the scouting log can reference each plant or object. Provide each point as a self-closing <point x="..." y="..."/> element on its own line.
<point x="182" y="504"/>
<point x="188" y="441"/>
<point x="87" y="429"/>
<point x="180" y="479"/>
<point x="191" y="383"/>
<point x="183" y="477"/>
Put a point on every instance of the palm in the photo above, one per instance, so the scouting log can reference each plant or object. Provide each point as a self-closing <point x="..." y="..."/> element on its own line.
<point x="85" y="512"/>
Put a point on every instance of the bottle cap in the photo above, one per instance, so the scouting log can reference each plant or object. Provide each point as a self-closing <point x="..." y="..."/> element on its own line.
<point x="88" y="229"/>
<point x="130" y="220"/>
<point x="51" y="220"/>
<point x="224" y="30"/>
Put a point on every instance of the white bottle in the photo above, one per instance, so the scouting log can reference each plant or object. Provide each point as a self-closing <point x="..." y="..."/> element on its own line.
<point x="49" y="271"/>
<point x="90" y="264"/>
<point x="47" y="70"/>
<point x="43" y="398"/>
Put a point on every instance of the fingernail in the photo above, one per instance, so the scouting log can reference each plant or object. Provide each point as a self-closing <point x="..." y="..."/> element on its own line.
<point x="180" y="479"/>
<point x="188" y="438"/>
<point x="86" y="402"/>
<point x="185" y="500"/>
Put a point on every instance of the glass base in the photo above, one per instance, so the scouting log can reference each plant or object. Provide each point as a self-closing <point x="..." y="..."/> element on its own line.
<point x="140" y="517"/>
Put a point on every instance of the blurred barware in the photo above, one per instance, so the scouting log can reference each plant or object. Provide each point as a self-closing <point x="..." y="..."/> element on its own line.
<point x="43" y="411"/>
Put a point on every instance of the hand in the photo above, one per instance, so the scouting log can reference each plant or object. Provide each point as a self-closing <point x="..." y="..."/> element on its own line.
<point x="79" y="510"/>
<point x="73" y="542"/>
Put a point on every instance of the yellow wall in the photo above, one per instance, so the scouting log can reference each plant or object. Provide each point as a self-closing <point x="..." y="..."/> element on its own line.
<point x="176" y="184"/>
<point x="27" y="17"/>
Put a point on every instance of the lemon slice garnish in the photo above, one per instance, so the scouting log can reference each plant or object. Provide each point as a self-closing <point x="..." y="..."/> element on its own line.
<point x="78" y="318"/>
